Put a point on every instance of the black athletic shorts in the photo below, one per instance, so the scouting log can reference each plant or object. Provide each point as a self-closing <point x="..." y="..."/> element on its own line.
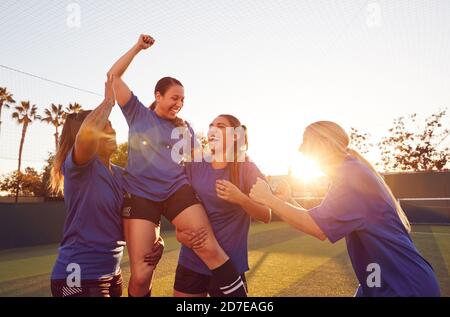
<point x="135" y="207"/>
<point x="191" y="282"/>
<point x="105" y="287"/>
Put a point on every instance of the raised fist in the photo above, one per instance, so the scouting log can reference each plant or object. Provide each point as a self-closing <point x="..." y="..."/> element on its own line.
<point x="145" y="41"/>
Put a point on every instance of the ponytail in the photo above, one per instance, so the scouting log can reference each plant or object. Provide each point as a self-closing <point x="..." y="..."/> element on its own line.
<point x="235" y="167"/>
<point x="67" y="140"/>
<point x="398" y="207"/>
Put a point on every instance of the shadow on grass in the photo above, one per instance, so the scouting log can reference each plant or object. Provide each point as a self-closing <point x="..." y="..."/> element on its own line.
<point x="428" y="246"/>
<point x="333" y="278"/>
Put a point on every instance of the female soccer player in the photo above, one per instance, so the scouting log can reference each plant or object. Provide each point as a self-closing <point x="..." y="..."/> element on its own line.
<point x="360" y="207"/>
<point x="157" y="183"/>
<point x="88" y="262"/>
<point x="223" y="186"/>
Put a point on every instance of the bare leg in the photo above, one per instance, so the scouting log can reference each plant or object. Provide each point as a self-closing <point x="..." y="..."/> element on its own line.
<point x="195" y="218"/>
<point x="140" y="235"/>
<point x="223" y="270"/>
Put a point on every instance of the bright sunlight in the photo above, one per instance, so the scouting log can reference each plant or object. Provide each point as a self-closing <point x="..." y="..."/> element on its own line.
<point x="305" y="169"/>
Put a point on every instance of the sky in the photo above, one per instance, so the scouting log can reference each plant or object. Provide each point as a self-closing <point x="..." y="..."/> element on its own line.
<point x="276" y="65"/>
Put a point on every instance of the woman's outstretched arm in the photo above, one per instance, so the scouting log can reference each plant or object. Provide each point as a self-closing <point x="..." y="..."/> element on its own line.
<point x="297" y="217"/>
<point x="121" y="90"/>
<point x="284" y="192"/>
<point x="227" y="191"/>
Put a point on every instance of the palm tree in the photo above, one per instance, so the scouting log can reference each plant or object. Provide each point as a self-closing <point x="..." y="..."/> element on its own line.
<point x="55" y="115"/>
<point x="25" y="114"/>
<point x="73" y="108"/>
<point x="6" y="98"/>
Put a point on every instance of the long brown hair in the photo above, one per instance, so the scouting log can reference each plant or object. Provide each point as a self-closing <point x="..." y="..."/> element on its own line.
<point x="162" y="86"/>
<point x="340" y="140"/>
<point x="236" y="164"/>
<point x="69" y="133"/>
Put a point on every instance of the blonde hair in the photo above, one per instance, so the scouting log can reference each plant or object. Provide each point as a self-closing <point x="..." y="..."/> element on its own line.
<point x="339" y="139"/>
<point x="69" y="133"/>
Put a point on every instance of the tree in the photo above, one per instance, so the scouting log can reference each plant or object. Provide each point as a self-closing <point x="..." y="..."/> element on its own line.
<point x="28" y="183"/>
<point x="407" y="150"/>
<point x="120" y="157"/>
<point x="31" y="183"/>
<point x="360" y="141"/>
<point x="25" y="114"/>
<point x="55" y="116"/>
<point x="73" y="108"/>
<point x="6" y="99"/>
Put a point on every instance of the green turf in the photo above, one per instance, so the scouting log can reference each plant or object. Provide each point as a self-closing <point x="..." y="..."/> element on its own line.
<point x="283" y="262"/>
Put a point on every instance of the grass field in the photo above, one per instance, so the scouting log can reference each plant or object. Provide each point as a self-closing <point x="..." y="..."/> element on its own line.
<point x="283" y="262"/>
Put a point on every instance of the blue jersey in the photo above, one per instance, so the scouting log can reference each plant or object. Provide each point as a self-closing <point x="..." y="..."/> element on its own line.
<point x="359" y="208"/>
<point x="93" y="233"/>
<point x="229" y="222"/>
<point x="152" y="172"/>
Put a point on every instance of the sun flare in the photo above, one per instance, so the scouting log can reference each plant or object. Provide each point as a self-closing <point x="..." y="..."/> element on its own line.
<point x="305" y="169"/>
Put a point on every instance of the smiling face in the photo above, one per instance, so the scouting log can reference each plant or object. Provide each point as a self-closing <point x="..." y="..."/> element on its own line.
<point x="217" y="135"/>
<point x="227" y="139"/>
<point x="168" y="104"/>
